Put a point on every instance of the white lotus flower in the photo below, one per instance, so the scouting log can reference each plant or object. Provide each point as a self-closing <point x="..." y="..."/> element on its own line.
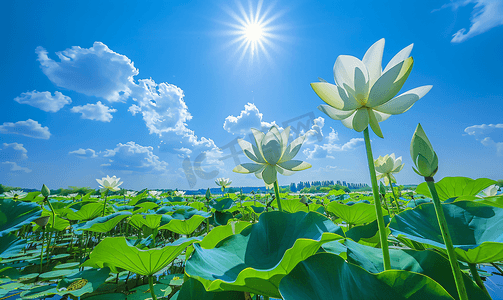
<point x="155" y="193"/>
<point x="15" y="194"/>
<point x="73" y="195"/>
<point x="490" y="191"/>
<point x="179" y="193"/>
<point x="271" y="154"/>
<point x="131" y="193"/>
<point x="109" y="183"/>
<point x="387" y="165"/>
<point x="364" y="93"/>
<point x="223" y="182"/>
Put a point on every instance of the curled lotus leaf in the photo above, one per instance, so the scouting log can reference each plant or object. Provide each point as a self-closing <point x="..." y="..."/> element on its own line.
<point x="184" y="226"/>
<point x="475" y="229"/>
<point x="86" y="212"/>
<point x="428" y="262"/>
<point x="104" y="224"/>
<point x="257" y="258"/>
<point x="117" y="252"/>
<point x="451" y="187"/>
<point x="327" y="276"/>
<point x="358" y="213"/>
<point x="15" y="214"/>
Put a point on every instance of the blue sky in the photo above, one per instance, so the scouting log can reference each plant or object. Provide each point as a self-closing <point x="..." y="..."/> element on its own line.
<point x="135" y="89"/>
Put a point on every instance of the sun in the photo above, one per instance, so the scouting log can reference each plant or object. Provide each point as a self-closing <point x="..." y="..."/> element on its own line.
<point x="254" y="30"/>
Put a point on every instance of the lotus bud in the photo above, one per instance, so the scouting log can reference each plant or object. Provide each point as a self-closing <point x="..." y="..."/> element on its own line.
<point x="303" y="199"/>
<point x="45" y="191"/>
<point x="424" y="157"/>
<point x="382" y="189"/>
<point x="208" y="194"/>
<point x="42" y="221"/>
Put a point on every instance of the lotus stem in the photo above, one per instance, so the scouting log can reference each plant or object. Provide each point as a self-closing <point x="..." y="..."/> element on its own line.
<point x="497" y="268"/>
<point x="394" y="196"/>
<point x="478" y="280"/>
<point x="42" y="250"/>
<point x="48" y="246"/>
<point x="105" y="203"/>
<point x="456" y="271"/>
<point x="276" y="191"/>
<point x="151" y="284"/>
<point x="377" y="203"/>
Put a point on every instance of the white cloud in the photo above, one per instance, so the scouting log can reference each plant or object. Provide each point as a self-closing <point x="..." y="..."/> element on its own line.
<point x="486" y="15"/>
<point x="315" y="134"/>
<point x="134" y="157"/>
<point x="98" y="112"/>
<point x="15" y="167"/>
<point x="249" y="118"/>
<point x="325" y="150"/>
<point x="13" y="151"/>
<point x="44" y="100"/>
<point x="486" y="133"/>
<point x="29" y="128"/>
<point x="161" y="105"/>
<point x="84" y="153"/>
<point x="96" y="71"/>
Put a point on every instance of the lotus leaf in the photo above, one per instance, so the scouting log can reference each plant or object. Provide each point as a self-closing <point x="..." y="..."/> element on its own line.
<point x="367" y="233"/>
<point x="450" y="187"/>
<point x="221" y="204"/>
<point x="429" y="263"/>
<point x="10" y="245"/>
<point x="182" y="212"/>
<point x="104" y="224"/>
<point x="475" y="229"/>
<point x="293" y="206"/>
<point x="151" y="221"/>
<point x="356" y="214"/>
<point x="327" y="276"/>
<point x="86" y="212"/>
<point x="60" y="224"/>
<point x="143" y="292"/>
<point x="119" y="253"/>
<point x="15" y="214"/>
<point x="193" y="289"/>
<point x="258" y="257"/>
<point x="184" y="226"/>
<point x="221" y="218"/>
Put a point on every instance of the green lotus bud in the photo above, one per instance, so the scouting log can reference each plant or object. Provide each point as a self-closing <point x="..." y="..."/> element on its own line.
<point x="424" y="157"/>
<point x="45" y="191"/>
<point x="208" y="194"/>
<point x="382" y="189"/>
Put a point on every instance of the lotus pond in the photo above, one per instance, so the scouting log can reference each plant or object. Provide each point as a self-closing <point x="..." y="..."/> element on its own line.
<point x="237" y="246"/>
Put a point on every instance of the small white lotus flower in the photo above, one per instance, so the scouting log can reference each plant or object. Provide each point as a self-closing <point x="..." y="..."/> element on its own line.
<point x="179" y="193"/>
<point x="223" y="183"/>
<point x="109" y="183"/>
<point x="490" y="191"/>
<point x="131" y="193"/>
<point x="155" y="193"/>
<point x="73" y="195"/>
<point x="387" y="165"/>
<point x="271" y="154"/>
<point x="364" y="93"/>
<point x="15" y="194"/>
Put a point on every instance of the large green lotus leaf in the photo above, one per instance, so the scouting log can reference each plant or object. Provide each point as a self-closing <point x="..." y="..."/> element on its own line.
<point x="258" y="257"/>
<point x="198" y="205"/>
<point x="355" y="214"/>
<point x="86" y="212"/>
<point x="317" y="207"/>
<point x="32" y="197"/>
<point x="143" y="292"/>
<point x="367" y="233"/>
<point x="220" y="233"/>
<point x="15" y="214"/>
<point x="475" y="229"/>
<point x="221" y="204"/>
<point x="193" y="289"/>
<point x="90" y="280"/>
<point x="152" y="221"/>
<point x="327" y="276"/>
<point x="184" y="226"/>
<point x="10" y="245"/>
<point x="117" y="252"/>
<point x="429" y="263"/>
<point x="496" y="201"/>
<point x="220" y="218"/>
<point x="104" y="224"/>
<point x="450" y="187"/>
<point x="293" y="206"/>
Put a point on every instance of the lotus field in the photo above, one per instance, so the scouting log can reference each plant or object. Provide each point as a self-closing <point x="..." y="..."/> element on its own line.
<point x="430" y="243"/>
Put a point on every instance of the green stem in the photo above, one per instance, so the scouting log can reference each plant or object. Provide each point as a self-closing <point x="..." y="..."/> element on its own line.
<point x="105" y="202"/>
<point x="48" y="246"/>
<point x="42" y="250"/>
<point x="394" y="196"/>
<point x="456" y="271"/>
<point x="151" y="283"/>
<point x="478" y="280"/>
<point x="383" y="198"/>
<point x="497" y="268"/>
<point x="276" y="191"/>
<point x="377" y="203"/>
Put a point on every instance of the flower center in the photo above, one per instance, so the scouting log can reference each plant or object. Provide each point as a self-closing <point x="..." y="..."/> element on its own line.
<point x="361" y="99"/>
